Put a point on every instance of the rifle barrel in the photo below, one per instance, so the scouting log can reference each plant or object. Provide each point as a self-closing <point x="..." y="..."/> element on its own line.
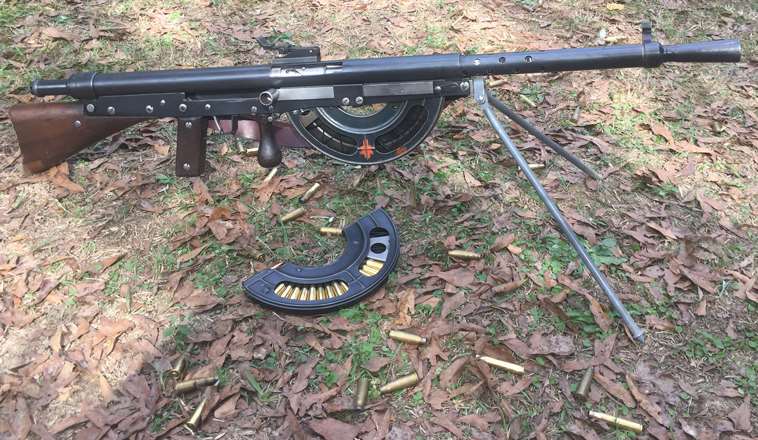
<point x="241" y="79"/>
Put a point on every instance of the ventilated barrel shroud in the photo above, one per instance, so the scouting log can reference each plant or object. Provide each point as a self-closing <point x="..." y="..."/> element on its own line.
<point x="370" y="255"/>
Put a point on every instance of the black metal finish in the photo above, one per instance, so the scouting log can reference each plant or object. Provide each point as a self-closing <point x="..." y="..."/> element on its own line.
<point x="391" y="69"/>
<point x="391" y="133"/>
<point x="534" y="131"/>
<point x="481" y="97"/>
<point x="373" y="236"/>
<point x="269" y="153"/>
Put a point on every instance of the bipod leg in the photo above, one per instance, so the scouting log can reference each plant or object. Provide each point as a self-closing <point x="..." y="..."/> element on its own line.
<point x="534" y="131"/>
<point x="481" y="98"/>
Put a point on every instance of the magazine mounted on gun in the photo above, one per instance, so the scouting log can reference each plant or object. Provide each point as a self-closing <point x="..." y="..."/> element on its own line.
<point x="361" y="111"/>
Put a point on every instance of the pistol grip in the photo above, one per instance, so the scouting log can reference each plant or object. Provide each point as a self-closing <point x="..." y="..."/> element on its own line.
<point x="269" y="152"/>
<point x="191" y="136"/>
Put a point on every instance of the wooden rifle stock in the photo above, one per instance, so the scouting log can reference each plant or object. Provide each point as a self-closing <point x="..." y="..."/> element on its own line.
<point x="48" y="134"/>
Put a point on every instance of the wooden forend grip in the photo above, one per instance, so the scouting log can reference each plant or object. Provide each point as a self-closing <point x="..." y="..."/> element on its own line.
<point x="48" y="134"/>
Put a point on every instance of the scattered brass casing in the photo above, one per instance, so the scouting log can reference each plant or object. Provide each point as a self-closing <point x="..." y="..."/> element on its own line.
<point x="464" y="255"/>
<point x="360" y="398"/>
<point x="270" y="175"/>
<point x="503" y="365"/>
<point x="399" y="384"/>
<point x="584" y="385"/>
<point x="193" y="384"/>
<point x="195" y="419"/>
<point x="330" y="231"/>
<point x="408" y="338"/>
<point x="178" y="369"/>
<point x="311" y="191"/>
<point x="616" y="421"/>
<point x="292" y="215"/>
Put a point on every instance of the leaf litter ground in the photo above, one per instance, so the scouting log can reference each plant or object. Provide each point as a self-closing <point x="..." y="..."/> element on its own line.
<point x="112" y="267"/>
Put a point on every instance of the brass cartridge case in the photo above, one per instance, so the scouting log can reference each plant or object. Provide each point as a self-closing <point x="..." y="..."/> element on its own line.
<point x="311" y="191"/>
<point x="619" y="422"/>
<point x="408" y="338"/>
<point x="330" y="231"/>
<point x="287" y="291"/>
<point x="344" y="285"/>
<point x="295" y="293"/>
<point x="584" y="385"/>
<point x="270" y="175"/>
<point x="303" y="294"/>
<point x="362" y="395"/>
<point x="312" y="294"/>
<point x="464" y="255"/>
<point x="292" y="215"/>
<point x="279" y="289"/>
<point x="331" y="292"/>
<point x="321" y="293"/>
<point x="503" y="365"/>
<point x="194" y="384"/>
<point x="178" y="369"/>
<point x="367" y="271"/>
<point x="399" y="384"/>
<point x="374" y="263"/>
<point x="339" y="288"/>
<point x="195" y="419"/>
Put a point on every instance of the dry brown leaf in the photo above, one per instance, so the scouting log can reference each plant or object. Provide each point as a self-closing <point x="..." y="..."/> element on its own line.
<point x="228" y="408"/>
<point x="657" y="323"/>
<point x="601" y="318"/>
<point x="405" y="307"/>
<point x="552" y="344"/>
<point x="511" y="389"/>
<point x="452" y="303"/>
<point x="615" y="390"/>
<point x="662" y="130"/>
<point x="59" y="34"/>
<point x="582" y="430"/>
<point x="432" y="351"/>
<point x="303" y="374"/>
<point x="460" y="277"/>
<point x="451" y="373"/>
<point x="201" y="300"/>
<point x="333" y="429"/>
<point x="376" y="363"/>
<point x="645" y="403"/>
<point x="201" y="191"/>
<point x="191" y="254"/>
<point x="480" y="422"/>
<point x="447" y="423"/>
<point x="741" y="416"/>
<point x="295" y="428"/>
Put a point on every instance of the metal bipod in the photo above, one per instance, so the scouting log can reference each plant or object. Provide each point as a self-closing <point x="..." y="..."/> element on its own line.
<point x="484" y="99"/>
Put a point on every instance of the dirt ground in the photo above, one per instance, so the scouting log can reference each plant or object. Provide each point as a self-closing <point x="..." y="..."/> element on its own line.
<point x="111" y="268"/>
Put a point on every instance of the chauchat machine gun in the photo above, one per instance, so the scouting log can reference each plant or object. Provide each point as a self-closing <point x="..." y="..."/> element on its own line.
<point x="358" y="111"/>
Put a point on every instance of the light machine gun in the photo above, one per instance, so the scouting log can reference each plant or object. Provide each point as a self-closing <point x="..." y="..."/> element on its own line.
<point x="324" y="102"/>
